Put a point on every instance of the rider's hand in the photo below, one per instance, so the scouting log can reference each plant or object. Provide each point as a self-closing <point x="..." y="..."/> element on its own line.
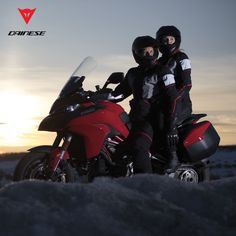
<point x="105" y="91"/>
<point x="172" y="138"/>
<point x="101" y="94"/>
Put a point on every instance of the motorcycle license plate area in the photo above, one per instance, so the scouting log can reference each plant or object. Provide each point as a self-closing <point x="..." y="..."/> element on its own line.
<point x="200" y="141"/>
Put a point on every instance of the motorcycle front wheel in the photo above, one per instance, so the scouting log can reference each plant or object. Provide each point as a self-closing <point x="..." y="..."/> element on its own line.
<point x="34" y="165"/>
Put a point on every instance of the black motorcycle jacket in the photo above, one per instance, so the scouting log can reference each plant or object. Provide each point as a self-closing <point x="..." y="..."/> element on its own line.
<point x="150" y="87"/>
<point x="180" y="66"/>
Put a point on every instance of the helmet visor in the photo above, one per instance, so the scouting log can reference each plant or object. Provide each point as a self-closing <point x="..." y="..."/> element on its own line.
<point x="144" y="52"/>
<point x="168" y="39"/>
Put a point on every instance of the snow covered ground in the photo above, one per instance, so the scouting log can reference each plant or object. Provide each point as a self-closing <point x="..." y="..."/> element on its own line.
<point x="223" y="162"/>
<point x="142" y="205"/>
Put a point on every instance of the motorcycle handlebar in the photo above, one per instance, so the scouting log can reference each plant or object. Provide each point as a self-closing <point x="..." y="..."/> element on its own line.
<point x="101" y="94"/>
<point x="105" y="94"/>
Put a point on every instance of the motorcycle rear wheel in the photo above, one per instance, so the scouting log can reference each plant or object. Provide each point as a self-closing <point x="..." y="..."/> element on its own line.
<point x="193" y="173"/>
<point x="34" y="166"/>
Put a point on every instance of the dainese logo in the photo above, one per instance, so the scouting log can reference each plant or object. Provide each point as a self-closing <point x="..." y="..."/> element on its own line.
<point x="27" y="14"/>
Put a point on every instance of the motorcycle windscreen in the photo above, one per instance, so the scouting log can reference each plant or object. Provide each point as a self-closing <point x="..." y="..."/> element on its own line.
<point x="75" y="82"/>
<point x="200" y="141"/>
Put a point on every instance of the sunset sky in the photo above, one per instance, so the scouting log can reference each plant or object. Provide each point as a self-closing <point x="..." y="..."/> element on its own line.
<point x="34" y="69"/>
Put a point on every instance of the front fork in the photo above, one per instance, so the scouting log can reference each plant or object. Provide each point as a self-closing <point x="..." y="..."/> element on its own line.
<point x="59" y="153"/>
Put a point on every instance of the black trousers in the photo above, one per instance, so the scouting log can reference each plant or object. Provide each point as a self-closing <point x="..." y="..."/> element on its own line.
<point x="139" y="142"/>
<point x="157" y="120"/>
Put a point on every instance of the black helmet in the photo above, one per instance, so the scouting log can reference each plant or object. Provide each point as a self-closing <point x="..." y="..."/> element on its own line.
<point x="138" y="46"/>
<point x="168" y="30"/>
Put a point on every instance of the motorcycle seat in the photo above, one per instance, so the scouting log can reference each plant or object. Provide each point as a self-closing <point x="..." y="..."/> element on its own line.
<point x="191" y="119"/>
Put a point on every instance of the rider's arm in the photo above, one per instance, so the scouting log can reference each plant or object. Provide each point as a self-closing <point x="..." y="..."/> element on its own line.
<point x="171" y="98"/>
<point x="185" y="73"/>
<point x="123" y="88"/>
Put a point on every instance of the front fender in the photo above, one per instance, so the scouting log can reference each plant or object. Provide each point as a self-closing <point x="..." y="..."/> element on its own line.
<point x="42" y="148"/>
<point x="55" y="154"/>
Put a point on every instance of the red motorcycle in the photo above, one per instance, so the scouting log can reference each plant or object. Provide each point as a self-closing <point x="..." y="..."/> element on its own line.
<point x="91" y="126"/>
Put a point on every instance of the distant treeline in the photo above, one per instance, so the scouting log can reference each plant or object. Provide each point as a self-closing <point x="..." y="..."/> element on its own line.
<point x="227" y="147"/>
<point x="12" y="155"/>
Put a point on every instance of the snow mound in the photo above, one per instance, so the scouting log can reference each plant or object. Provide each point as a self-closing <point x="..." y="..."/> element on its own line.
<point x="142" y="205"/>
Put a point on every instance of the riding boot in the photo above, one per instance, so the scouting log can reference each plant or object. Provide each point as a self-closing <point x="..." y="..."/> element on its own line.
<point x="142" y="162"/>
<point x="173" y="162"/>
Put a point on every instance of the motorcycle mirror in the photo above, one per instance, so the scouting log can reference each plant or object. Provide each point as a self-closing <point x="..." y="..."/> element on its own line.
<point x="114" y="78"/>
